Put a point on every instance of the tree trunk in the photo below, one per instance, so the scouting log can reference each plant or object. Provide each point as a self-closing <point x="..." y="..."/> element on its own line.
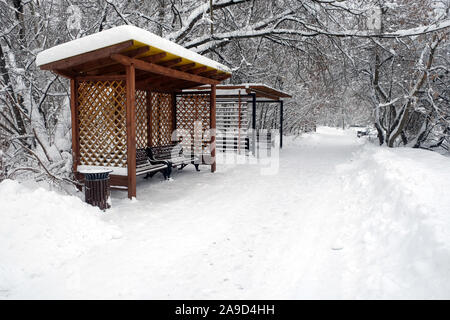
<point x="16" y="100"/>
<point x="403" y="117"/>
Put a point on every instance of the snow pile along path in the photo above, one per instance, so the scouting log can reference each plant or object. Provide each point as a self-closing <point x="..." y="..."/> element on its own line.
<point x="397" y="223"/>
<point x="41" y="232"/>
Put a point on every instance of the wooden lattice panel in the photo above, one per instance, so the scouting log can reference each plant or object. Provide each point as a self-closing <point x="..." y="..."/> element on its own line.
<point x="190" y="109"/>
<point x="161" y="119"/>
<point x="141" y="119"/>
<point x="102" y="123"/>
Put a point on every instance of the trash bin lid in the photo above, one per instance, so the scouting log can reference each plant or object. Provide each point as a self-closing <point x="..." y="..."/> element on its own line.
<point x="95" y="174"/>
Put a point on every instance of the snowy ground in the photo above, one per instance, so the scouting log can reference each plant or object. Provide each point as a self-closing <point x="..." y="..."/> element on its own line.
<point x="341" y="219"/>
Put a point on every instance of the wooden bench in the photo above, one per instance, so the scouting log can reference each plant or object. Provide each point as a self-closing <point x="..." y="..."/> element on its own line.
<point x="144" y="165"/>
<point x="173" y="155"/>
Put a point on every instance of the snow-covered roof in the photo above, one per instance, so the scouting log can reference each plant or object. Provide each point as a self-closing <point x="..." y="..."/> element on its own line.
<point x="140" y="37"/>
<point x="262" y="85"/>
<point x="244" y="88"/>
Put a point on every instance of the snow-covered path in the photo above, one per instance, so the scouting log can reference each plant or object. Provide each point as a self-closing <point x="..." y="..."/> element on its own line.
<point x="314" y="230"/>
<point x="236" y="233"/>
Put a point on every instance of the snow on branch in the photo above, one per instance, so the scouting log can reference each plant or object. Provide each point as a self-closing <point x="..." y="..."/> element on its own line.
<point x="272" y="26"/>
<point x="197" y="15"/>
<point x="437" y="26"/>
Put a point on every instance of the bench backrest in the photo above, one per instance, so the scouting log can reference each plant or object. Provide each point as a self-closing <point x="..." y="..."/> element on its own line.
<point x="141" y="157"/>
<point x="163" y="152"/>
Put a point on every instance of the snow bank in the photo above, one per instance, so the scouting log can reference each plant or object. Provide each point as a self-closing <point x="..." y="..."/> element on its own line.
<point x="397" y="221"/>
<point x="40" y="232"/>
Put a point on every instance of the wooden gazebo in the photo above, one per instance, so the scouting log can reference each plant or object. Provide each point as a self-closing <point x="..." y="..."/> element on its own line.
<point x="126" y="94"/>
<point x="234" y="112"/>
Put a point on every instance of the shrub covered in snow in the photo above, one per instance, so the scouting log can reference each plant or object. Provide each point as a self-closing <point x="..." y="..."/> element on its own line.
<point x="40" y="231"/>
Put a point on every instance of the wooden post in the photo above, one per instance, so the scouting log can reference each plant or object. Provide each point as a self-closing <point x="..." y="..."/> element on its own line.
<point x="75" y="125"/>
<point x="281" y="124"/>
<point x="213" y="127"/>
<point x="174" y="112"/>
<point x="149" y="118"/>
<point x="239" y="124"/>
<point x="254" y="122"/>
<point x="131" y="131"/>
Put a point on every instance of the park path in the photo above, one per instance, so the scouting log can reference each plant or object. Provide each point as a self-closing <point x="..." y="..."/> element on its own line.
<point x="232" y="234"/>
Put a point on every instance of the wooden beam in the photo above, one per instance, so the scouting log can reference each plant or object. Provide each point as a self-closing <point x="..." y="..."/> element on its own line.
<point x="65" y="73"/>
<point x="212" y="108"/>
<point x="157" y="78"/>
<point x="208" y="73"/>
<point x="178" y="84"/>
<point x="181" y="84"/>
<point x="190" y="85"/>
<point x="198" y="70"/>
<point x="154" y="68"/>
<point x="102" y="77"/>
<point x="164" y="64"/>
<point x="144" y="79"/>
<point x="143" y="75"/>
<point x="118" y="181"/>
<point x="154" y="89"/>
<point x="113" y="68"/>
<point x="262" y="94"/>
<point x="155" y="57"/>
<point x="171" y="83"/>
<point x="230" y="87"/>
<point x="88" y="56"/>
<point x="147" y="79"/>
<point x="153" y="84"/>
<point x="118" y="68"/>
<point x="110" y="66"/>
<point x="131" y="131"/>
<point x="136" y="52"/>
<point x="270" y="91"/>
<point x="185" y="67"/>
<point x="95" y="64"/>
<point x="169" y="63"/>
<point x="152" y="81"/>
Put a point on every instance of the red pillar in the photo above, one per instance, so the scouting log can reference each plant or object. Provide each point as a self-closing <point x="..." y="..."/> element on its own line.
<point x="149" y="118"/>
<point x="174" y="112"/>
<point x="131" y="131"/>
<point x="75" y="128"/>
<point x="213" y="127"/>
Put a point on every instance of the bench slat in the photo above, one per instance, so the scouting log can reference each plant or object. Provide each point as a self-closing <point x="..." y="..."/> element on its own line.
<point x="144" y="165"/>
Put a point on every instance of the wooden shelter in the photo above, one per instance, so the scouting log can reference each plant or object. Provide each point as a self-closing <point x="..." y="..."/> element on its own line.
<point x="126" y="94"/>
<point x="236" y="111"/>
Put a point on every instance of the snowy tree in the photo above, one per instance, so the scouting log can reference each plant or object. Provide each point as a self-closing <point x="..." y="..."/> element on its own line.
<point x="335" y="57"/>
